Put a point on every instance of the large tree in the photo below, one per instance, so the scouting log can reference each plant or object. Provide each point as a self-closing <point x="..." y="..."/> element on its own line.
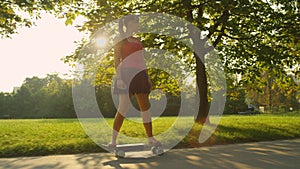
<point x="250" y="35"/>
<point x="19" y="13"/>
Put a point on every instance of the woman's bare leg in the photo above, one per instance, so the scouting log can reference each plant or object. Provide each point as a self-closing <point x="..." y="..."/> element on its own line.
<point x="119" y="117"/>
<point x="144" y="104"/>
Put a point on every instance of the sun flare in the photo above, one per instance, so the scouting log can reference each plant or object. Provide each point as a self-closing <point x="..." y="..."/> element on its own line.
<point x="100" y="42"/>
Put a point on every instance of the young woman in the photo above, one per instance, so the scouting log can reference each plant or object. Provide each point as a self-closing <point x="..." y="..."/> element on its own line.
<point x="132" y="78"/>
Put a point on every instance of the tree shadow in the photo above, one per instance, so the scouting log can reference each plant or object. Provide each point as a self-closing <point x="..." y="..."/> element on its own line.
<point x="28" y="163"/>
<point x="273" y="133"/>
<point x="275" y="155"/>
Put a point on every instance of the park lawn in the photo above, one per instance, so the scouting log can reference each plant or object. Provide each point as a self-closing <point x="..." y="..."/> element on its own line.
<point x="33" y="137"/>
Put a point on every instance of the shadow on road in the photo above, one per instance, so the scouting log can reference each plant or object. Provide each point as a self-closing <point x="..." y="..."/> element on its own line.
<point x="275" y="155"/>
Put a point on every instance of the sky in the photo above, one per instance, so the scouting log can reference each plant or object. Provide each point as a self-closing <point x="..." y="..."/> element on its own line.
<point x="37" y="51"/>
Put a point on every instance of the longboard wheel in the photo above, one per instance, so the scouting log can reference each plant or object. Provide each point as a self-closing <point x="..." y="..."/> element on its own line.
<point x="160" y="151"/>
<point x="119" y="154"/>
<point x="157" y="150"/>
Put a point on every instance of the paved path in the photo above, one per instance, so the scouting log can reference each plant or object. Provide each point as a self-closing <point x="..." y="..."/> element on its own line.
<point x="283" y="154"/>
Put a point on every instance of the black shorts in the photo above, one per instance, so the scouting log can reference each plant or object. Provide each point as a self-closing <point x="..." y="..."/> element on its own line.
<point x="137" y="80"/>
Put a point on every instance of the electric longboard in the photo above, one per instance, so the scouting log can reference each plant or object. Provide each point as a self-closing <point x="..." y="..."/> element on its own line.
<point x="120" y="150"/>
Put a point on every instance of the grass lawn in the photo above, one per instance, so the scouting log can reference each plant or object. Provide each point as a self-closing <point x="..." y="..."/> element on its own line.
<point x="33" y="137"/>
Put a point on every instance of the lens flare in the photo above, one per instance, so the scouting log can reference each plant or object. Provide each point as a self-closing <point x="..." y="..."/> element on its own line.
<point x="100" y="42"/>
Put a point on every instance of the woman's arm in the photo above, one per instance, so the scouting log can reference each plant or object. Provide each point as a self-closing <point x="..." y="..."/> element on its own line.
<point x="117" y="58"/>
<point x="117" y="55"/>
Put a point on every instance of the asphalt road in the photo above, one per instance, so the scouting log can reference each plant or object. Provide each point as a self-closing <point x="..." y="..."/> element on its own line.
<point x="283" y="154"/>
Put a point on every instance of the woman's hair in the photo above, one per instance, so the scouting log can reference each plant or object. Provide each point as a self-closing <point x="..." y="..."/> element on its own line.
<point x="124" y="22"/>
<point x="130" y="18"/>
<point x="117" y="48"/>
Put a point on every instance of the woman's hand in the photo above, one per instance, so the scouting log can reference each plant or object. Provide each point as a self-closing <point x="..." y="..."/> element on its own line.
<point x="121" y="84"/>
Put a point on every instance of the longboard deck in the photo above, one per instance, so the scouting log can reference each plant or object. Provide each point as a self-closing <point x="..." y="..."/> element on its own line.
<point x="138" y="149"/>
<point x="131" y="147"/>
<point x="137" y="154"/>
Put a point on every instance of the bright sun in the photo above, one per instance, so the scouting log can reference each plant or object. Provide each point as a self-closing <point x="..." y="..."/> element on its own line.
<point x="100" y="42"/>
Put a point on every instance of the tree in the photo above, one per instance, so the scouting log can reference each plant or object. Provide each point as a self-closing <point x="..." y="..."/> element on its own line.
<point x="5" y="105"/>
<point x="47" y="97"/>
<point x="23" y="103"/>
<point x="276" y="92"/>
<point x="19" y="13"/>
<point x="58" y="101"/>
<point x="250" y="35"/>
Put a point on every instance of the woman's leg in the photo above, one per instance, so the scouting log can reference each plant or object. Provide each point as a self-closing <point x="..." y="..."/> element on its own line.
<point x="119" y="117"/>
<point x="144" y="104"/>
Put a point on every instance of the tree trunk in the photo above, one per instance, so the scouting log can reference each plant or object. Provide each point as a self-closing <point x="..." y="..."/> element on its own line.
<point x="201" y="80"/>
<point x="199" y="46"/>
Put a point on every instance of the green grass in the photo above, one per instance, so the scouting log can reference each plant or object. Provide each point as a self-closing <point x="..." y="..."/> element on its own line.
<point x="237" y="129"/>
<point x="66" y="136"/>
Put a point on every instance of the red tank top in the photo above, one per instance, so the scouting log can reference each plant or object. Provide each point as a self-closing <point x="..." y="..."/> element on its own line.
<point x="132" y="55"/>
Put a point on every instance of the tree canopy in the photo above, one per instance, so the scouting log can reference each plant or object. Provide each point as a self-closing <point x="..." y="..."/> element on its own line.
<point x="252" y="37"/>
